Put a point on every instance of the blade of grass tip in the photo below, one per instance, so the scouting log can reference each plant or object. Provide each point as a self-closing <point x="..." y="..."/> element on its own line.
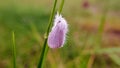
<point x="14" y="50"/>
<point x="101" y="28"/>
<point x="102" y="21"/>
<point x="61" y="6"/>
<point x="45" y="47"/>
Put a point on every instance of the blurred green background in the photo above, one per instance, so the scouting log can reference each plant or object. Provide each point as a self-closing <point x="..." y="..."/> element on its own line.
<point x="93" y="40"/>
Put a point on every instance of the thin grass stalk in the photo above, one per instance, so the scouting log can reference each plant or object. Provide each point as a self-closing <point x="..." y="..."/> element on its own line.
<point x="45" y="47"/>
<point x="14" y="50"/>
<point x="61" y="6"/>
<point x="101" y="26"/>
<point x="102" y="21"/>
<point x="101" y="29"/>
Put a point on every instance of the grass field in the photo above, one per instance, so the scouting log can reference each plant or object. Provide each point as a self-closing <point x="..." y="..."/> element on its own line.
<point x="93" y="40"/>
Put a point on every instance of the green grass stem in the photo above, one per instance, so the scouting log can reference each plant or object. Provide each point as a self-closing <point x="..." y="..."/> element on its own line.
<point x="14" y="50"/>
<point x="45" y="47"/>
<point x="61" y="6"/>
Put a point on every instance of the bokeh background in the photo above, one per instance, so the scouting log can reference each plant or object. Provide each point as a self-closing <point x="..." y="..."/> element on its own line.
<point x="93" y="40"/>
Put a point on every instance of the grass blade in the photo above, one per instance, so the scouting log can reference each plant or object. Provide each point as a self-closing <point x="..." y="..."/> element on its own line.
<point x="45" y="47"/>
<point x="14" y="50"/>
